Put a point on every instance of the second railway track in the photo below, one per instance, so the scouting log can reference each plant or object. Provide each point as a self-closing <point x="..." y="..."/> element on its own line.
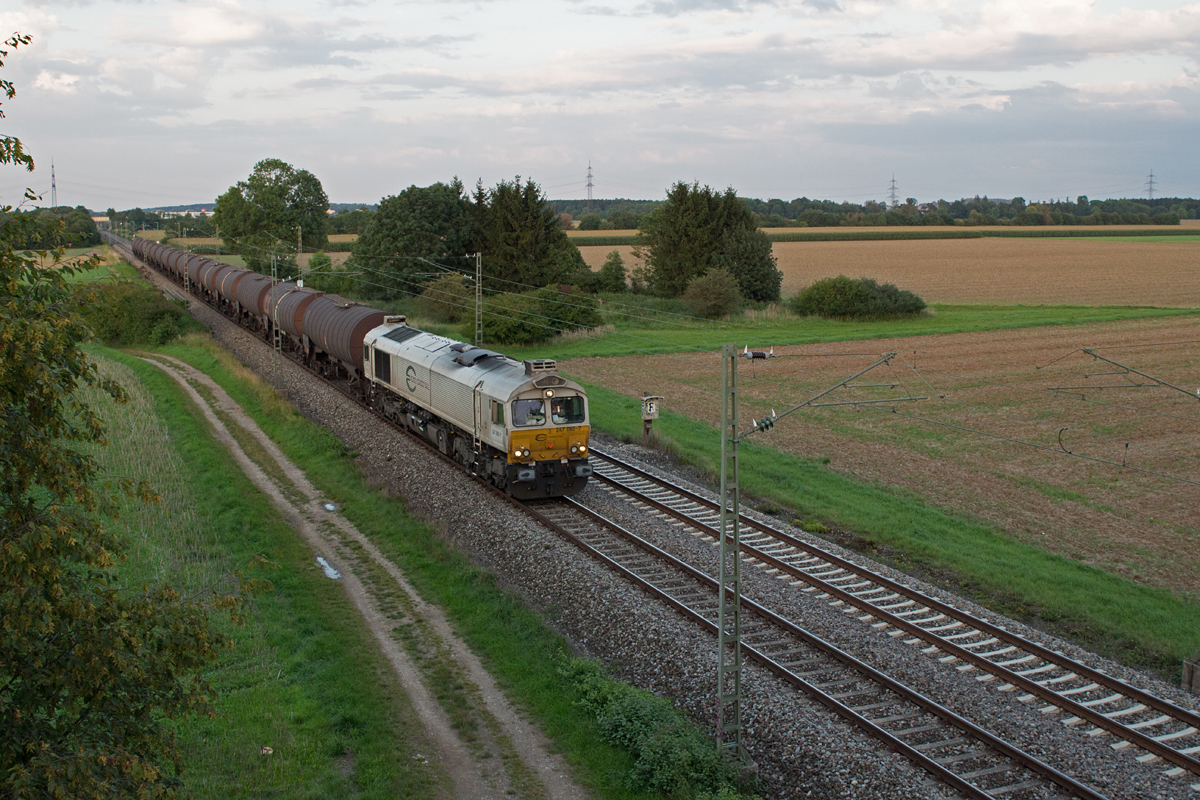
<point x="1097" y="704"/>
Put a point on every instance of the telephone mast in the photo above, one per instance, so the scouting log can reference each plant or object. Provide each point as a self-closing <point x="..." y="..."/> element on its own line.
<point x="1149" y="186"/>
<point x="53" y="187"/>
<point x="589" y="186"/>
<point x="893" y="192"/>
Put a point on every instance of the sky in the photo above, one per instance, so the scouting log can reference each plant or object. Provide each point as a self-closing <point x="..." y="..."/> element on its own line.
<point x="141" y="103"/>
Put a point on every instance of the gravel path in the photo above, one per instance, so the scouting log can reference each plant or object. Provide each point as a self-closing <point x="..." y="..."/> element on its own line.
<point x="801" y="749"/>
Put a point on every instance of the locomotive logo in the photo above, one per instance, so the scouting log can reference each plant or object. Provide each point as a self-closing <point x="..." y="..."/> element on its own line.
<point x="410" y="379"/>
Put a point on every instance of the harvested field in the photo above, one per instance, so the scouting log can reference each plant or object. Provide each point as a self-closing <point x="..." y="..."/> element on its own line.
<point x="1083" y="272"/>
<point x="993" y="438"/>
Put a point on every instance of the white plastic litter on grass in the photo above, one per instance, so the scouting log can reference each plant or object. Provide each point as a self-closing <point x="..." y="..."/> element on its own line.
<point x="330" y="506"/>
<point x="330" y="572"/>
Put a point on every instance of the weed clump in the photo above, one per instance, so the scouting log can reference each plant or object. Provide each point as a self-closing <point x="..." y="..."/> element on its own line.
<point x="864" y="298"/>
<point x="672" y="756"/>
<point x="126" y="313"/>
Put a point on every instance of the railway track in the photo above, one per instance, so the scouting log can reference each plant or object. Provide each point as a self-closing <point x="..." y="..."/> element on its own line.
<point x="1088" y="699"/>
<point x="950" y="748"/>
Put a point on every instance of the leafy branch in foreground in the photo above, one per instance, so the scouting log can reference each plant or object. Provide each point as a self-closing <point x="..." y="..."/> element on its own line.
<point x="90" y="672"/>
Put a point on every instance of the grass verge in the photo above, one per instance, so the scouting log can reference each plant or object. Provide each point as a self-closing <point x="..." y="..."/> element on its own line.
<point x="517" y="648"/>
<point x="1139" y="625"/>
<point x="305" y="678"/>
<point x="635" y="337"/>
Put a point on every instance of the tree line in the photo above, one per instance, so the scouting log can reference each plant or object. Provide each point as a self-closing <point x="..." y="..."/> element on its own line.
<point x="48" y="228"/>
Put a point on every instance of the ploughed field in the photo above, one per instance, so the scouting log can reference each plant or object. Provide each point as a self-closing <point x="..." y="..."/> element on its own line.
<point x="1085" y="272"/>
<point x="991" y="439"/>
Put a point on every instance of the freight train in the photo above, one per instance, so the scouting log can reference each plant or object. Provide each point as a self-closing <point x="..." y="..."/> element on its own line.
<point x="519" y="425"/>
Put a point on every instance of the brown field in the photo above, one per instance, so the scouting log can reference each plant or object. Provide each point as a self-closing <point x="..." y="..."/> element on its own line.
<point x="1132" y="523"/>
<point x="1082" y="272"/>
<point x="586" y="234"/>
<point x="343" y="237"/>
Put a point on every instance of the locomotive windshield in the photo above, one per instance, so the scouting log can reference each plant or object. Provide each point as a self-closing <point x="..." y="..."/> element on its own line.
<point x="564" y="410"/>
<point x="529" y="412"/>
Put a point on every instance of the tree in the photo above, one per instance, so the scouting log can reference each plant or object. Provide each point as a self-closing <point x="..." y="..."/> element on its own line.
<point x="520" y="238"/>
<point x="261" y="216"/>
<point x="697" y="229"/>
<point x="411" y="229"/>
<point x="612" y="274"/>
<point x="90" y="671"/>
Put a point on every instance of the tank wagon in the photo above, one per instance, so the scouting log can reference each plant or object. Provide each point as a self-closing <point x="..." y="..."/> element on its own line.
<point x="519" y="425"/>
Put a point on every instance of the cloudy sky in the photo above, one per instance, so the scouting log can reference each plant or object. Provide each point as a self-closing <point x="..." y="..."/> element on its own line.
<point x="155" y="103"/>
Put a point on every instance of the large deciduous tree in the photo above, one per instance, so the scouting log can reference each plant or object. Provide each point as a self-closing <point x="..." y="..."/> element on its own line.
<point x="408" y="231"/>
<point x="90" y="671"/>
<point x="261" y="216"/>
<point x="699" y="229"/>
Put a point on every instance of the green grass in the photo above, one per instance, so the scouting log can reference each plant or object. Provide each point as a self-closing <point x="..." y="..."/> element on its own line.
<point x="635" y="336"/>
<point x="305" y="678"/>
<point x="1141" y="625"/>
<point x="517" y="647"/>
<point x="105" y="272"/>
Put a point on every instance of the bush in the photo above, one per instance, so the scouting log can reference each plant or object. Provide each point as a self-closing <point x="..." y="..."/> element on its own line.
<point x="713" y="294"/>
<point x="449" y="298"/>
<point x="513" y="319"/>
<point x="126" y="313"/>
<point x="567" y="310"/>
<point x="672" y="756"/>
<point x="843" y="298"/>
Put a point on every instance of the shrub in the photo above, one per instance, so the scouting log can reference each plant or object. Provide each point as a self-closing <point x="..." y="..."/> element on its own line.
<point x="672" y="756"/>
<point x="513" y="319"/>
<point x="567" y="310"/>
<point x="612" y="274"/>
<point x="126" y="313"/>
<point x="843" y="298"/>
<point x="448" y="298"/>
<point x="713" y="294"/>
<point x="324" y="277"/>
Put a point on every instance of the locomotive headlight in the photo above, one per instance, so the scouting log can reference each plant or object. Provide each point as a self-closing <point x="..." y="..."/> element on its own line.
<point x="517" y="453"/>
<point x="574" y="448"/>
<point x="583" y="449"/>
<point x="549" y="393"/>
<point x="525" y="452"/>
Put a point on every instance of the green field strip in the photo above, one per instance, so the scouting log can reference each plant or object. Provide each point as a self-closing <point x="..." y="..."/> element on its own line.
<point x="670" y="338"/>
<point x="305" y="677"/>
<point x="1141" y="625"/>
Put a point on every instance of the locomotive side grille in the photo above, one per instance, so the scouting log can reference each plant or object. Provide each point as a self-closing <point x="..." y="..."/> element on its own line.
<point x="402" y="333"/>
<point x="455" y="400"/>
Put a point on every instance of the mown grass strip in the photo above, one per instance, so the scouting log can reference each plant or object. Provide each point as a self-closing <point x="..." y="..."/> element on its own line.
<point x="1141" y="625"/>
<point x="637" y="337"/>
<point x="305" y="678"/>
<point x="516" y="646"/>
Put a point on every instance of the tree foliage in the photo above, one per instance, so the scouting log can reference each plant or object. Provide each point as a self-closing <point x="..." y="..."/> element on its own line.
<point x="409" y="230"/>
<point x="259" y="217"/>
<point x="90" y="671"/>
<point x="520" y="237"/>
<point x="612" y="274"/>
<point x="698" y="229"/>
<point x="59" y="227"/>
<point x="448" y="298"/>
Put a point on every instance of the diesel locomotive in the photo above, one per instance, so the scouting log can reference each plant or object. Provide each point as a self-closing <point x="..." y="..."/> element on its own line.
<point x="519" y="425"/>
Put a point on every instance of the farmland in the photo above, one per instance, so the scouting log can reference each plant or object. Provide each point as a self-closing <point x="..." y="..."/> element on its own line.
<point x="1086" y="272"/>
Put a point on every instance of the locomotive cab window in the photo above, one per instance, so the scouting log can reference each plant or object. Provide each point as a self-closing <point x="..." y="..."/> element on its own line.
<point x="529" y="412"/>
<point x="566" y="410"/>
<point x="497" y="413"/>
